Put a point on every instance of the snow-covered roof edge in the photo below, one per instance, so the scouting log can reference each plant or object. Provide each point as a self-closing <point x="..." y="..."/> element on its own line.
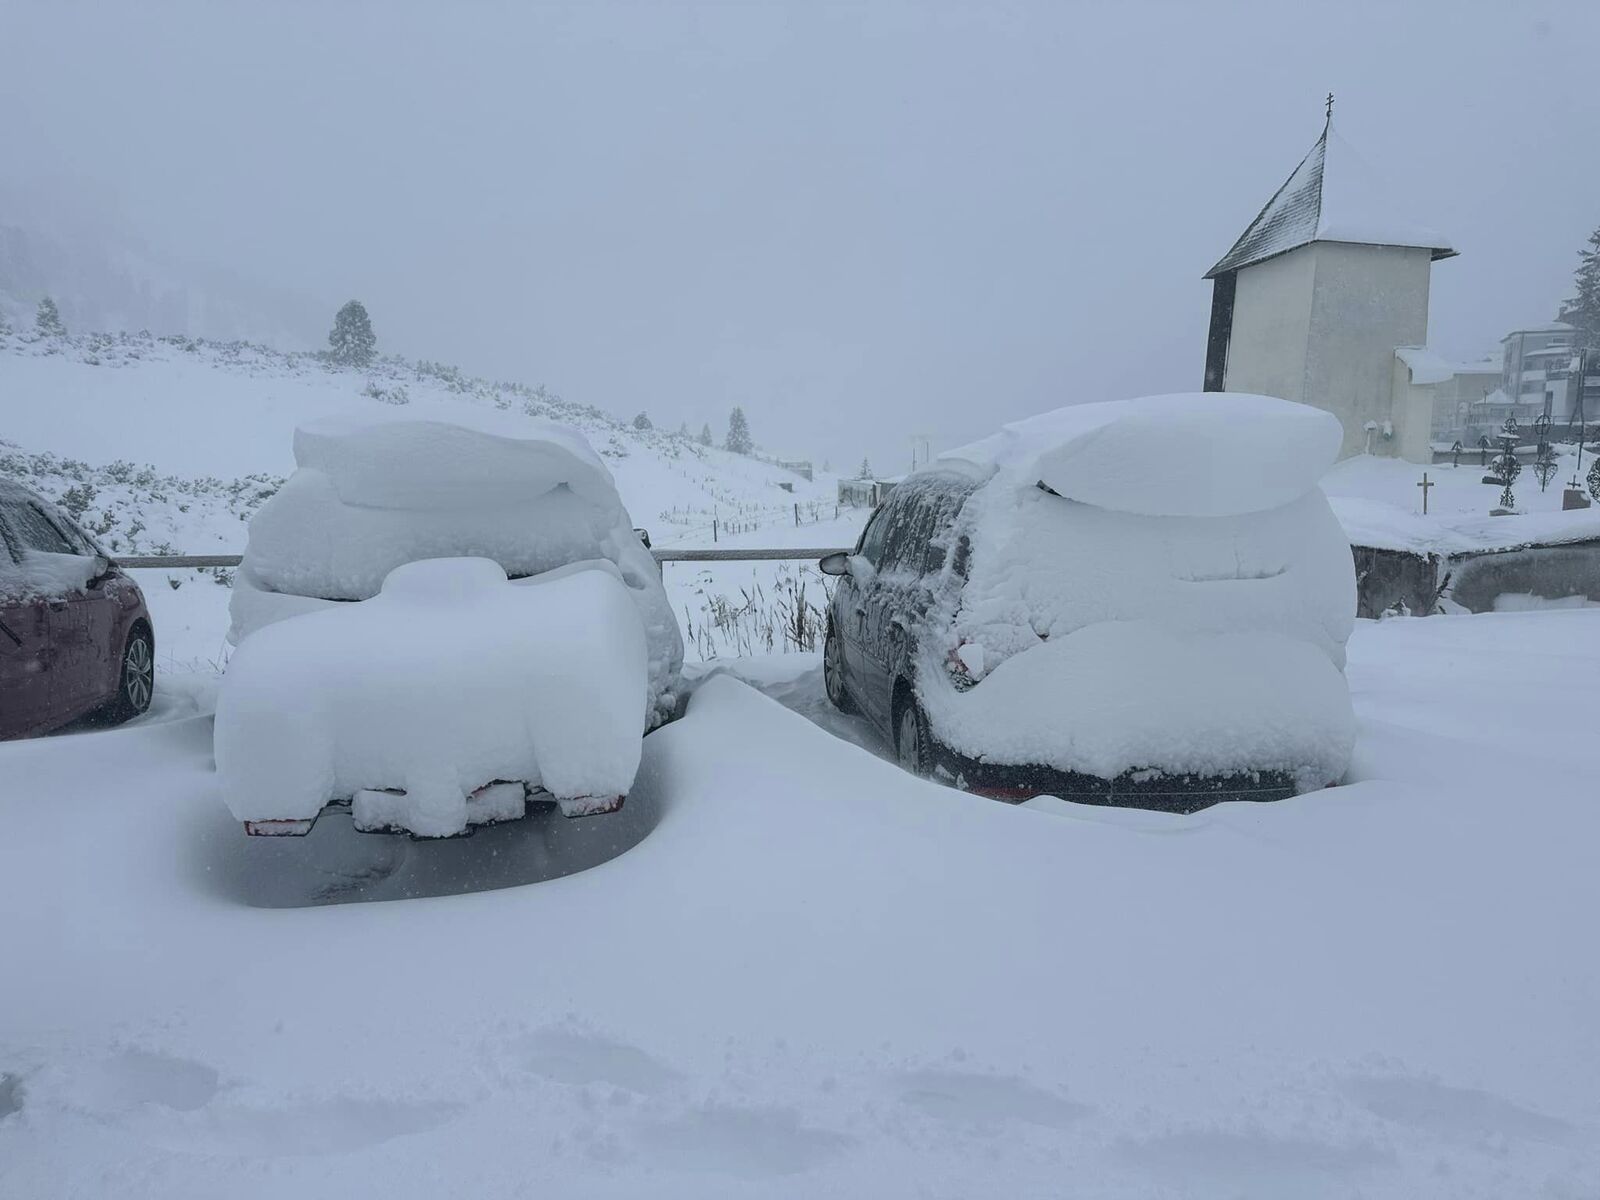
<point x="1428" y="366"/>
<point x="1302" y="211"/>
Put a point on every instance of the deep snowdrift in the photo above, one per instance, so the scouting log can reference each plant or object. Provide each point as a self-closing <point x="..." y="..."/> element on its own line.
<point x="373" y="493"/>
<point x="449" y="680"/>
<point x="1042" y="567"/>
<point x="1133" y="696"/>
<point x="819" y="977"/>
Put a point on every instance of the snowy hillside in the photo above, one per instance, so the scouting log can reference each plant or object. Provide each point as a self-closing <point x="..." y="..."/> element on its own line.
<point x="171" y="443"/>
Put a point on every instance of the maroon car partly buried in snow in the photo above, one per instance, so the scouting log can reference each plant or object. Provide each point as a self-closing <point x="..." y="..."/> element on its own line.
<point x="75" y="636"/>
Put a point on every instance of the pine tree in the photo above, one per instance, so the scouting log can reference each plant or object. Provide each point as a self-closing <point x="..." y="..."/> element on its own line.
<point x="642" y="421"/>
<point x="866" y="470"/>
<point x="48" y="319"/>
<point x="1582" y="312"/>
<point x="705" y="435"/>
<point x="351" y="341"/>
<point x="738" y="433"/>
<point x="683" y="429"/>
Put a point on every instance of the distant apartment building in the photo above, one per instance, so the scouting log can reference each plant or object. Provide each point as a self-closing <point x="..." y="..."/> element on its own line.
<point x="1532" y="377"/>
<point x="1537" y="375"/>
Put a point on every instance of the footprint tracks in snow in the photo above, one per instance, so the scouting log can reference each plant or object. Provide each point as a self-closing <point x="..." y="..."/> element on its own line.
<point x="182" y="1105"/>
<point x="979" y="1098"/>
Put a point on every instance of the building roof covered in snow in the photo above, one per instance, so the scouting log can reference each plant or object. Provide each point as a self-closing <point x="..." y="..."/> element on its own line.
<point x="1547" y="327"/>
<point x="1428" y="366"/>
<point x="1331" y="197"/>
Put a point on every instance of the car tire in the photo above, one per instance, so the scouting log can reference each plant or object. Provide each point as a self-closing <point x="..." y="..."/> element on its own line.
<point x="913" y="743"/>
<point x="136" y="679"/>
<point x="833" y="673"/>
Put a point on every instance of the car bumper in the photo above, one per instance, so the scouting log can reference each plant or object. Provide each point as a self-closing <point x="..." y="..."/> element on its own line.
<point x="1135" y="789"/>
<point x="381" y="811"/>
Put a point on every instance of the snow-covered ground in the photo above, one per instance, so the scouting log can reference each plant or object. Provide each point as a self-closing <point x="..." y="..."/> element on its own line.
<point x="785" y="968"/>
<point x="814" y="975"/>
<point x="1456" y="490"/>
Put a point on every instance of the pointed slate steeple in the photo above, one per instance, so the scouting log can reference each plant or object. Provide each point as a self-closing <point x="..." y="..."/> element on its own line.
<point x="1330" y="197"/>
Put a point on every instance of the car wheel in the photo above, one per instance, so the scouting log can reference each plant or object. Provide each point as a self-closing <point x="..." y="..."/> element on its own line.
<point x="137" y="681"/>
<point x="833" y="673"/>
<point x="911" y="739"/>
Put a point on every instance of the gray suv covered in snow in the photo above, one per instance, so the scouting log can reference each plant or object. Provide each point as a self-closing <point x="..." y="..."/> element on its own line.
<point x="1019" y="619"/>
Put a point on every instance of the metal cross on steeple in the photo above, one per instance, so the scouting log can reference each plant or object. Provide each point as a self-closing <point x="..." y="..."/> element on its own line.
<point x="1330" y="107"/>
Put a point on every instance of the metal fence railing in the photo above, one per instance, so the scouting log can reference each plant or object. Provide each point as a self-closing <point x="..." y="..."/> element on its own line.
<point x="663" y="554"/>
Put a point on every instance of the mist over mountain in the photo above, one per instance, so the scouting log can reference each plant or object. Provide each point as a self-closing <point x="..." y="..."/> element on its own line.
<point x="105" y="277"/>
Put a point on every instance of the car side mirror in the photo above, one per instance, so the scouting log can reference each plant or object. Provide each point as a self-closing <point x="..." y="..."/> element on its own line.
<point x="102" y="568"/>
<point x="837" y="563"/>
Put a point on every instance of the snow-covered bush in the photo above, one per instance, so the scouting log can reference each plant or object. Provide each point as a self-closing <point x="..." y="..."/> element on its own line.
<point x="136" y="510"/>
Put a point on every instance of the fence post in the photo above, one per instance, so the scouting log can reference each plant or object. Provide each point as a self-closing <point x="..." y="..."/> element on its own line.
<point x="713" y="530"/>
<point x="797" y="514"/>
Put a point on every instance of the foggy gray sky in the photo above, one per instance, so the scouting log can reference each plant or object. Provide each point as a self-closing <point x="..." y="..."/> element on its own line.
<point x="858" y="221"/>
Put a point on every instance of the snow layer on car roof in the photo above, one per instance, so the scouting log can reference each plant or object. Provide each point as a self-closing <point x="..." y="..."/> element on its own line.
<point x="395" y="462"/>
<point x="1207" y="454"/>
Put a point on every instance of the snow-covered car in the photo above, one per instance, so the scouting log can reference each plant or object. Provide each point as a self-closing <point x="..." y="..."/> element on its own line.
<point x="372" y="493"/>
<point x="1140" y="602"/>
<point x="448" y="700"/>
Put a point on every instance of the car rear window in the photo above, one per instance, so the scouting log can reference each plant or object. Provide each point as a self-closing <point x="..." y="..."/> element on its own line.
<point x="920" y="528"/>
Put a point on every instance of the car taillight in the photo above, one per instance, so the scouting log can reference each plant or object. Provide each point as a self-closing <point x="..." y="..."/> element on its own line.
<point x="959" y="675"/>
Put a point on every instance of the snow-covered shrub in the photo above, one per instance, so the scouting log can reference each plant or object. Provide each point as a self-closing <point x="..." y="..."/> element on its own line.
<point x="789" y="616"/>
<point x="136" y="510"/>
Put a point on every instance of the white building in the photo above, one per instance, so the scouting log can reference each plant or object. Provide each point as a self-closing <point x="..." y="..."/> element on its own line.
<point x="1317" y="295"/>
<point x="1540" y="374"/>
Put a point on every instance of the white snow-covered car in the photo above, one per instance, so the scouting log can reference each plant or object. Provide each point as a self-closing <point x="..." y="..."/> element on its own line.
<point x="448" y="700"/>
<point x="372" y="493"/>
<point x="428" y="620"/>
<point x="1141" y="602"/>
